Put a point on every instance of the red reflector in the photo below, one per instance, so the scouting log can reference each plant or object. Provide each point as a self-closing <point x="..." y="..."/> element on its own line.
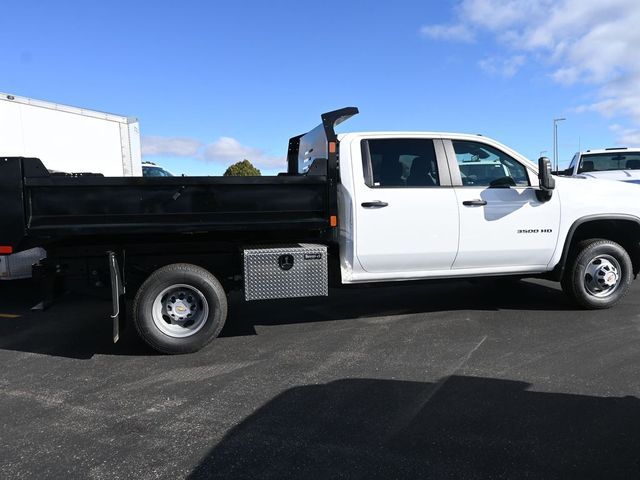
<point x="332" y="147"/>
<point x="5" y="250"/>
<point x="333" y="221"/>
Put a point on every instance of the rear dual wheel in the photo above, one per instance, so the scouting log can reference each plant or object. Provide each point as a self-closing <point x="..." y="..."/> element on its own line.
<point x="180" y="308"/>
<point x="598" y="275"/>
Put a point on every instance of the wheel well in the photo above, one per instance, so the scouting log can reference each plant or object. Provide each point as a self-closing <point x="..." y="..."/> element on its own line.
<point x="624" y="232"/>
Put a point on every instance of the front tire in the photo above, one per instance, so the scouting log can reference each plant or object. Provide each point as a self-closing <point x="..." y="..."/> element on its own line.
<point x="180" y="308"/>
<point x="598" y="275"/>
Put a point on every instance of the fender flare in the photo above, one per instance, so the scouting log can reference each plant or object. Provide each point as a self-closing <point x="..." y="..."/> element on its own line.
<point x="558" y="270"/>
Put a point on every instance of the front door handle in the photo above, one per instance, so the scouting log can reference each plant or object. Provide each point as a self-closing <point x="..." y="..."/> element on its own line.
<point x="474" y="203"/>
<point x="375" y="204"/>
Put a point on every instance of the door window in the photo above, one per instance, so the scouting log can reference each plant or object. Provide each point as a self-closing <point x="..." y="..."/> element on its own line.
<point x="400" y="163"/>
<point x="484" y="166"/>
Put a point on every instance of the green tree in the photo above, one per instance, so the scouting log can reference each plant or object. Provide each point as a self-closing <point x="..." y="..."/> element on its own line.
<point x="242" y="169"/>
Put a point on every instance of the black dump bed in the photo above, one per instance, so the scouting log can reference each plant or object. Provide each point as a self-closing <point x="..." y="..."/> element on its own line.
<point x="37" y="207"/>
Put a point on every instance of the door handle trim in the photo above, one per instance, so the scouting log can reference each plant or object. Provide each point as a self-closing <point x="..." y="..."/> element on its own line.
<point x="374" y="204"/>
<point x="474" y="203"/>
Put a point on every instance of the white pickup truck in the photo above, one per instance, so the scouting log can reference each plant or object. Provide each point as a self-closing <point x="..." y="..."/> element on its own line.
<point x="353" y="208"/>
<point x="620" y="163"/>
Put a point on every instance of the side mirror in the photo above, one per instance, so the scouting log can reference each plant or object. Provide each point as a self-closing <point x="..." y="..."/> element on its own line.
<point x="547" y="182"/>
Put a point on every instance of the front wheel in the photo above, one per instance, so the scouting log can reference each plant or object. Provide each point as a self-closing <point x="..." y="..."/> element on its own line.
<point x="599" y="275"/>
<point x="180" y="308"/>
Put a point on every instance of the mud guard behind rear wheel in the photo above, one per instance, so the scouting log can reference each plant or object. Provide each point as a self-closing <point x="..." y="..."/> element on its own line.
<point x="117" y="291"/>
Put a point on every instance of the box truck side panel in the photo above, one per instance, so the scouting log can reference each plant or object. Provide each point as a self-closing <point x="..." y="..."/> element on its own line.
<point x="135" y="147"/>
<point x="11" y="138"/>
<point x="69" y="142"/>
<point x="130" y="145"/>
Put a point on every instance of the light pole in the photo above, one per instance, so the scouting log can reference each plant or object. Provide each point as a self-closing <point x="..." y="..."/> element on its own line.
<point x="555" y="140"/>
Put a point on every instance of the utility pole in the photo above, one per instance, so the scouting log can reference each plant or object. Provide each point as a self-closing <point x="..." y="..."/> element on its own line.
<point x="555" y="140"/>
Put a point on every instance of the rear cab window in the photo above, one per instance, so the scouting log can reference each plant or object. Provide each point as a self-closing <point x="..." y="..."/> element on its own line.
<point x="400" y="163"/>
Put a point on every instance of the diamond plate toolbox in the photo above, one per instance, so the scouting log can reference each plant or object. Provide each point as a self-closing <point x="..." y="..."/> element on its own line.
<point x="287" y="271"/>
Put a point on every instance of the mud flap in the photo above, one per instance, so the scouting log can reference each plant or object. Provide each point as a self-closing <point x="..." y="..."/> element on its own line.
<point x="117" y="290"/>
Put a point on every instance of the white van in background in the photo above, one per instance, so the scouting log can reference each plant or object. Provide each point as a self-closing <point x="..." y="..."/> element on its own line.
<point x="150" y="169"/>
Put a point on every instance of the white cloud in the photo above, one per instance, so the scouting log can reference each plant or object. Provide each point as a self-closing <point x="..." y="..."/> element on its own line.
<point x="498" y="15"/>
<point x="594" y="43"/>
<point x="229" y="150"/>
<point x="457" y="32"/>
<point x="170" y="146"/>
<point x="629" y="137"/>
<point x="505" y="67"/>
<point x="225" y="150"/>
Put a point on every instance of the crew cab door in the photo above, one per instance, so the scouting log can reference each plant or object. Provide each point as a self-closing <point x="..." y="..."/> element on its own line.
<point x="503" y="226"/>
<point x="405" y="210"/>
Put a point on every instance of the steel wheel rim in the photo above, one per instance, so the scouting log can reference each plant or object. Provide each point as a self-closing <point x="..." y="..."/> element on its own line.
<point x="180" y="311"/>
<point x="602" y="276"/>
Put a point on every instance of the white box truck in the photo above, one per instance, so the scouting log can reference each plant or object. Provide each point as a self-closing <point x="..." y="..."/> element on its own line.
<point x="70" y="139"/>
<point x="66" y="139"/>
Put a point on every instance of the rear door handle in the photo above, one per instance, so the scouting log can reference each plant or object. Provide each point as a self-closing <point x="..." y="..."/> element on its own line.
<point x="375" y="204"/>
<point x="474" y="203"/>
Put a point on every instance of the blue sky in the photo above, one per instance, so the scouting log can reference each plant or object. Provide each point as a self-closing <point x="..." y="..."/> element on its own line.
<point x="213" y="82"/>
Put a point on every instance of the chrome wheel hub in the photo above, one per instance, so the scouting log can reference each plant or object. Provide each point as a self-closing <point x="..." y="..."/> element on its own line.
<point x="180" y="311"/>
<point x="602" y="276"/>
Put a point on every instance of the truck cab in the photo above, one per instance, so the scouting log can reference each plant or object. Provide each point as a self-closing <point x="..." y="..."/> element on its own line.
<point x="440" y="205"/>
<point x="434" y="205"/>
<point x="620" y="163"/>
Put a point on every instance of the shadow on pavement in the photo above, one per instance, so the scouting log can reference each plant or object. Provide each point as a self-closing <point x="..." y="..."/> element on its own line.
<point x="408" y="298"/>
<point x="460" y="427"/>
<point x="78" y="326"/>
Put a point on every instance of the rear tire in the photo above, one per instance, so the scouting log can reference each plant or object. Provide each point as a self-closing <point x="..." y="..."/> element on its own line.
<point x="180" y="308"/>
<point x="598" y="275"/>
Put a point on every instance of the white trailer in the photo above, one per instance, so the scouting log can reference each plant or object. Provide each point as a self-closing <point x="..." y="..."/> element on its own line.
<point x="70" y="139"/>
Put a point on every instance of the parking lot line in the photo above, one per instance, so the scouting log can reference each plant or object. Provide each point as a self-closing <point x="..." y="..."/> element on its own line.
<point x="9" y="315"/>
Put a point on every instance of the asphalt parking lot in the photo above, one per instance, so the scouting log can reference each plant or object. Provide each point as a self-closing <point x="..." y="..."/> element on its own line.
<point x="426" y="381"/>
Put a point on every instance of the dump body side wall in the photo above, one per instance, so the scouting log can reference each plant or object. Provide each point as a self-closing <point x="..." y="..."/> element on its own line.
<point x="42" y="209"/>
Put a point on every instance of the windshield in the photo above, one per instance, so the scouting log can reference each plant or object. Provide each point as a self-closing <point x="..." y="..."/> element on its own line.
<point x="572" y="165"/>
<point x="155" y="172"/>
<point x="602" y="162"/>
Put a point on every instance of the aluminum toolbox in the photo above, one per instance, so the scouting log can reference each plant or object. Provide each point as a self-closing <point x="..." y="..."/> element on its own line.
<point x="286" y="271"/>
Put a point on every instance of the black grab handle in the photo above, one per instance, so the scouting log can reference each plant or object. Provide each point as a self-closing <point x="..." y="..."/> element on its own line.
<point x="375" y="204"/>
